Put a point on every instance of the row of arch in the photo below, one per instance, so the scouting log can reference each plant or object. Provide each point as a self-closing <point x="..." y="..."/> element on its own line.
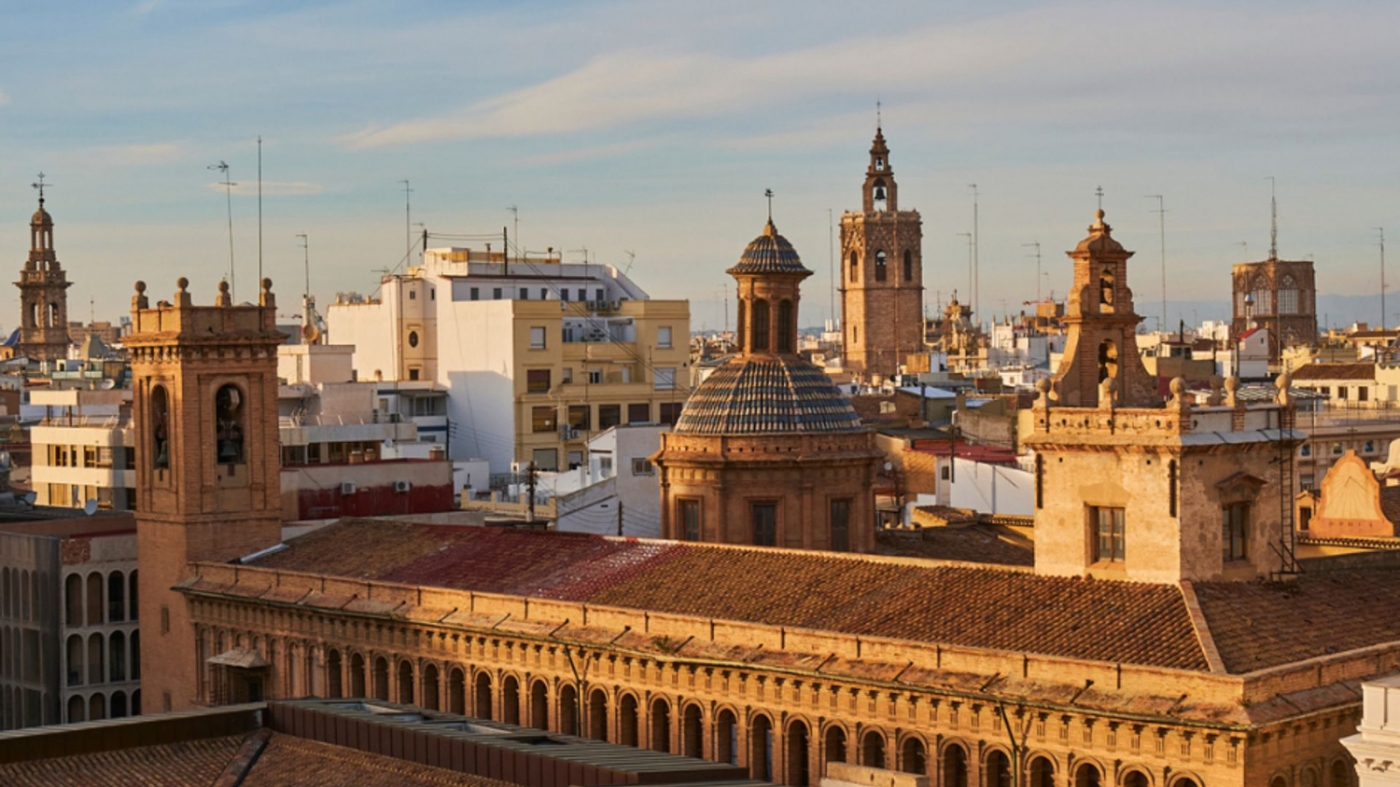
<point x="229" y="425"/>
<point x="24" y="595"/>
<point x="98" y="706"/>
<point x="99" y="658"/>
<point x="37" y="313"/>
<point x="881" y="267"/>
<point x="96" y="600"/>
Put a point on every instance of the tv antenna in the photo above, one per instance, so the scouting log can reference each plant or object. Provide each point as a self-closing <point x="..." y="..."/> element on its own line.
<point x="222" y="168"/>
<point x="1036" y="244"/>
<point x="515" y="227"/>
<point x="1273" y="219"/>
<point x="1161" y="212"/>
<point x="407" y="221"/>
<point x="631" y="258"/>
<point x="306" y="261"/>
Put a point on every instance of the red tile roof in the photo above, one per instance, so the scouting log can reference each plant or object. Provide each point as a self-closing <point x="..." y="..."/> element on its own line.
<point x="1335" y="371"/>
<point x="170" y="765"/>
<point x="1076" y="618"/>
<point x="289" y="761"/>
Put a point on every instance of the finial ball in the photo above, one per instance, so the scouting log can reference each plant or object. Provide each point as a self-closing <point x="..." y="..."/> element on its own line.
<point x="267" y="284"/>
<point x="140" y="286"/>
<point x="1178" y="386"/>
<point x="1043" y="385"/>
<point x="223" y="286"/>
<point x="1098" y="214"/>
<point x="182" y="282"/>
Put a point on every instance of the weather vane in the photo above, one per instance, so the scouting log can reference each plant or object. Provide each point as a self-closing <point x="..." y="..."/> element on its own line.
<point x="769" y="194"/>
<point x="40" y="185"/>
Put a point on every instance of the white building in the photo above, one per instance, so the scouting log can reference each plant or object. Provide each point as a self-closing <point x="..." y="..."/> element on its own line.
<point x="1376" y="746"/>
<point x="618" y="492"/>
<point x="83" y="448"/>
<point x="534" y="355"/>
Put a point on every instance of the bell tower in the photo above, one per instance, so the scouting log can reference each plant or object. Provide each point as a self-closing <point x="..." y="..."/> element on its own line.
<point x="204" y="382"/>
<point x="1101" y="352"/>
<point x="881" y="274"/>
<point x="43" y="292"/>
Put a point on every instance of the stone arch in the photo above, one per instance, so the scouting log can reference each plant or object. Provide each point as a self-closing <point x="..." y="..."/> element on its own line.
<point x="834" y="744"/>
<point x="74" y="663"/>
<point x="1133" y="776"/>
<point x="1106" y="291"/>
<point x="761" y="747"/>
<point x="996" y="768"/>
<point x="1191" y="780"/>
<point x="77" y="711"/>
<point x="660" y="723"/>
<point x="1088" y="774"/>
<point x="116" y="597"/>
<point x="598" y="715"/>
<point x="881" y="265"/>
<point x="94" y="599"/>
<point x="510" y="699"/>
<point x="913" y="755"/>
<point x="726" y="736"/>
<point x="119" y="705"/>
<point x="160" y="427"/>
<point x="787" y="332"/>
<point x="762" y="324"/>
<point x="97" y="707"/>
<point x="334" y="686"/>
<point x="96" y="658"/>
<point x="797" y="746"/>
<point x="432" y="692"/>
<point x="872" y="748"/>
<point x="1279" y="779"/>
<point x="1041" y="771"/>
<point x="381" y="678"/>
<point x="693" y="730"/>
<point x="357" y="675"/>
<point x="230" y="424"/>
<point x="1340" y="774"/>
<point x="457" y="691"/>
<point x="481" y="695"/>
<point x="116" y="656"/>
<point x="539" y="704"/>
<point x="1108" y="359"/>
<point x="953" y="764"/>
<point x="855" y="266"/>
<point x="72" y="600"/>
<point x="627" y="720"/>
<point x="568" y="717"/>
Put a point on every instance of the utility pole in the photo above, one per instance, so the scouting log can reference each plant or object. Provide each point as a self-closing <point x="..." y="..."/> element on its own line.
<point x="1036" y="244"/>
<point x="619" y="516"/>
<point x="228" y="185"/>
<point x="1161" y="212"/>
<point x="976" y="257"/>
<point x="530" y="488"/>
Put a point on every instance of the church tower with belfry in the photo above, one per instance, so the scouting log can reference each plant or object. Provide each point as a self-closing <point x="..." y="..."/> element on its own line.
<point x="43" y="293"/>
<point x="882" y="288"/>
<point x="204" y="388"/>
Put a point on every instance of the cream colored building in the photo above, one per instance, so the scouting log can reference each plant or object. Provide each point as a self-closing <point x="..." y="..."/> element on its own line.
<point x="536" y="355"/>
<point x="83" y="449"/>
<point x="1376" y="745"/>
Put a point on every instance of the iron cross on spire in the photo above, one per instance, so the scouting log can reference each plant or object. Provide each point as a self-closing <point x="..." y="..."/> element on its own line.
<point x="1098" y="192"/>
<point x="769" y="194"/>
<point x="41" y="185"/>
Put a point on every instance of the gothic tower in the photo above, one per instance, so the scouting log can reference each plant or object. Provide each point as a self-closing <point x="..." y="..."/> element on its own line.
<point x="43" y="296"/>
<point x="204" y="382"/>
<point x="882" y="287"/>
<point x="1101" y="346"/>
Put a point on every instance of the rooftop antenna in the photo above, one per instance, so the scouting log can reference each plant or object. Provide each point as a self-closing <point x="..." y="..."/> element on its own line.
<point x="1161" y="212"/>
<point x="969" y="237"/>
<point x="1036" y="244"/>
<point x="306" y="261"/>
<point x="260" y="267"/>
<point x="1273" y="219"/>
<point x="631" y="258"/>
<point x="228" y="198"/>
<point x="515" y="227"/>
<point x="407" y="221"/>
<point x="1381" y="230"/>
<point x="769" y="194"/>
<point x="976" y="256"/>
<point x="831" y="256"/>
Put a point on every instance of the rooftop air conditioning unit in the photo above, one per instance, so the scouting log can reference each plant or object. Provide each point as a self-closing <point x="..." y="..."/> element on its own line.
<point x="347" y="488"/>
<point x="402" y="486"/>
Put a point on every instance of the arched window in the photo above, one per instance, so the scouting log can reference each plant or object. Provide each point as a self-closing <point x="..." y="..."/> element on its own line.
<point x="457" y="692"/>
<point x="627" y="720"/>
<point x="761" y="748"/>
<point x="1137" y="779"/>
<point x="787" y="333"/>
<point x="911" y="757"/>
<point x="1042" y="773"/>
<point x="598" y="715"/>
<point x="357" y="675"/>
<point x="1087" y="776"/>
<point x="1108" y="360"/>
<point x="510" y="700"/>
<point x="1106" y="291"/>
<point x="76" y="710"/>
<point x="955" y="765"/>
<point x="880" y="265"/>
<point x="36" y="316"/>
<point x="135" y="657"/>
<point x="539" y="705"/>
<point x="133" y="601"/>
<point x="94" y="599"/>
<point x="568" y="709"/>
<point x="726" y="738"/>
<point x="54" y="320"/>
<point x="160" y="427"/>
<point x="998" y="770"/>
<point x="116" y="597"/>
<point x="1263" y="296"/>
<point x="759" y="343"/>
<point x="116" y="650"/>
<point x="740" y="333"/>
<point x="381" y="679"/>
<point x="481" y="695"/>
<point x="1342" y="775"/>
<point x="908" y="265"/>
<point x="693" y="732"/>
<point x="75" y="660"/>
<point x="797" y="759"/>
<point x="118" y="705"/>
<point x="661" y="725"/>
<point x="97" y="707"/>
<point x="1288" y="296"/>
<point x="872" y="750"/>
<point x="228" y="418"/>
<point x="334" y="687"/>
<point x="407" y="695"/>
<point x="855" y="266"/>
<point x="72" y="600"/>
<point x="430" y="687"/>
<point x="878" y="194"/>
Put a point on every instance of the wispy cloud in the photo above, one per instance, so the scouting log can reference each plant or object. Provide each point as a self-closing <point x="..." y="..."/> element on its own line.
<point x="146" y="7"/>
<point x="587" y="154"/>
<point x="144" y="155"/>
<point x="270" y="188"/>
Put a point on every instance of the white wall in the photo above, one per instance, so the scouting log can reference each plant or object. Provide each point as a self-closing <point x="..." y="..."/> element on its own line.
<point x="992" y="489"/>
<point x="476" y="363"/>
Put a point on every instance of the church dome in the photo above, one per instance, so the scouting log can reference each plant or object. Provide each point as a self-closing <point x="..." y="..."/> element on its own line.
<point x="767" y="395"/>
<point x="769" y="253"/>
<point x="1100" y="240"/>
<point x="41" y="218"/>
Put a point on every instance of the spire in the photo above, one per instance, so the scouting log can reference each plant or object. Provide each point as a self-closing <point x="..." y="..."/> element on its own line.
<point x="879" y="178"/>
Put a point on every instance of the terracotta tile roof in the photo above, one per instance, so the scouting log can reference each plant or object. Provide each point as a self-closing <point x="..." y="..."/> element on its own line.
<point x="972" y="544"/>
<point x="769" y="253"/>
<point x="1109" y="621"/>
<point x="289" y="761"/>
<point x="778" y="395"/>
<point x="1259" y="625"/>
<point x="170" y="765"/>
<point x="1335" y="371"/>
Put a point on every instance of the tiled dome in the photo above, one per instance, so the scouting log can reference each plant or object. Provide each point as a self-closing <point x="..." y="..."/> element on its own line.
<point x="769" y="253"/>
<point x="767" y="395"/>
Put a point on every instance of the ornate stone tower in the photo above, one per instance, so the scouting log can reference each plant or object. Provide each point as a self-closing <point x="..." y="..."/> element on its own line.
<point x="766" y="450"/>
<point x="204" y="382"/>
<point x="882" y="291"/>
<point x="43" y="294"/>
<point x="1101" y="348"/>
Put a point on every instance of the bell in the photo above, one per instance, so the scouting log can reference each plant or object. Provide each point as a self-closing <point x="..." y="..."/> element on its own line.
<point x="228" y="451"/>
<point x="880" y="193"/>
<point x="163" y="458"/>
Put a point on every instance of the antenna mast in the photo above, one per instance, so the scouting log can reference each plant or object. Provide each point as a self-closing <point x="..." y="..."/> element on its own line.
<point x="228" y="185"/>
<point x="260" y="267"/>
<point x="1273" y="219"/>
<point x="1381" y="230"/>
<point x="831" y="260"/>
<point x="976" y="282"/>
<point x="1161" y="212"/>
<point x="1036" y="244"/>
<point x="407" y="222"/>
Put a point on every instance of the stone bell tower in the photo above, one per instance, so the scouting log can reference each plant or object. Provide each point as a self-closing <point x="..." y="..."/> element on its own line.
<point x="881" y="274"/>
<point x="204" y="382"/>
<point x="43" y="293"/>
<point x="1101" y="351"/>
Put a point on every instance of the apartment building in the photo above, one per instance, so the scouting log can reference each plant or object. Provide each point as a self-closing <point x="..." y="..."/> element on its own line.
<point x="83" y="449"/>
<point x="535" y="355"/>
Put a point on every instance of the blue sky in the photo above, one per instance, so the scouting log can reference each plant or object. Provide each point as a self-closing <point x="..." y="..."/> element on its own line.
<point x="654" y="127"/>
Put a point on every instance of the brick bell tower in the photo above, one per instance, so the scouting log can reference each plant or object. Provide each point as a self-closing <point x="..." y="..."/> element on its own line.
<point x="882" y="290"/>
<point x="43" y="293"/>
<point x="204" y="382"/>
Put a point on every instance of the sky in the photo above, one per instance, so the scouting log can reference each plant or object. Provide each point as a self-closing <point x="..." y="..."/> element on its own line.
<point x="647" y="132"/>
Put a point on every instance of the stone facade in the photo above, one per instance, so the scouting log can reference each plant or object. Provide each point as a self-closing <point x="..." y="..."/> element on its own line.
<point x="1279" y="296"/>
<point x="43" y="294"/>
<point x="207" y="475"/>
<point x="882" y="275"/>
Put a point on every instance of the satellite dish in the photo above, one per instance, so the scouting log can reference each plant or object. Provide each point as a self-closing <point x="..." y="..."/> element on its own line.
<point x="29" y="498"/>
<point x="108" y="384"/>
<point x="90" y="507"/>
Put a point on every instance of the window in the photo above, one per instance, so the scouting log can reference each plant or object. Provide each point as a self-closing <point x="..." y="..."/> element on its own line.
<point x="1341" y="392"/>
<point x="1108" y="527"/>
<point x="663" y="336"/>
<point x="542" y="419"/>
<point x="228" y="424"/>
<point x="1336" y="449"/>
<point x="413" y="372"/>
<point x="568" y="375"/>
<point x="579" y="417"/>
<point x="1369" y="447"/>
<point x="476" y="293"/>
<point x="524" y="293"/>
<point x="537" y="381"/>
<point x="496" y="293"/>
<point x="595" y="376"/>
<point x="760" y="325"/>
<point x="413" y="295"/>
<point x="1306" y="450"/>
<point x="412" y="338"/>
<point x="642" y="466"/>
<point x="582" y="294"/>
<point x="688" y="515"/>
<point x="670" y="413"/>
<point x="908" y="265"/>
<point x="563" y="294"/>
<point x="1235" y="531"/>
<point x="664" y="379"/>
<point x="764" y="517"/>
<point x="609" y="415"/>
<point x="880" y="265"/>
<point x="537" y="337"/>
<point x="855" y="266"/>
<point x="638" y="413"/>
<point x="544" y="294"/>
<point x="546" y="458"/>
<point x="160" y="427"/>
<point x="841" y="525"/>
<point x="785" y="329"/>
<point x="1362" y="393"/>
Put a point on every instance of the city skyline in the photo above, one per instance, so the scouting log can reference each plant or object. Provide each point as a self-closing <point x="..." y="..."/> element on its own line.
<point x="659" y="136"/>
